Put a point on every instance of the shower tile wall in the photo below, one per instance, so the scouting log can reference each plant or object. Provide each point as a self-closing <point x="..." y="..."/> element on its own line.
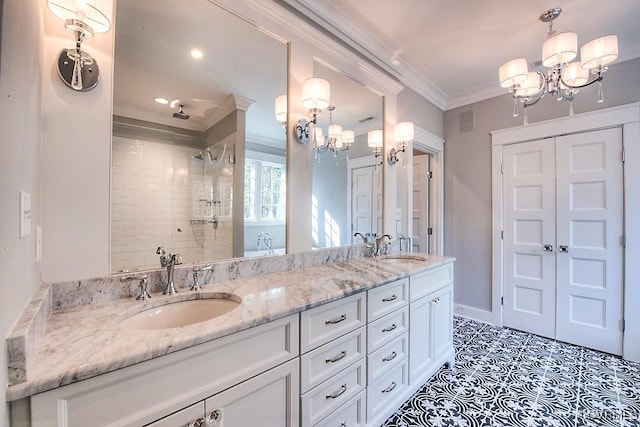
<point x="156" y="190"/>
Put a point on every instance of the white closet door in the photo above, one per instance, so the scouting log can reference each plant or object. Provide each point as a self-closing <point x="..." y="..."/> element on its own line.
<point x="589" y="222"/>
<point x="529" y="225"/>
<point x="361" y="200"/>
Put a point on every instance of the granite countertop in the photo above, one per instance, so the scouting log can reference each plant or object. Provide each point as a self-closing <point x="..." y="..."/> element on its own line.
<point x="86" y="341"/>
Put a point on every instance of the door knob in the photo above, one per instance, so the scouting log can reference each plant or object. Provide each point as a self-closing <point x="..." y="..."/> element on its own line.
<point x="548" y="248"/>
<point x="563" y="248"/>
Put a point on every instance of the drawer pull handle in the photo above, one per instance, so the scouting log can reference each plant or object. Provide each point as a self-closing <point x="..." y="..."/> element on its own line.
<point x="389" y="299"/>
<point x="390" y="328"/>
<point x="195" y="423"/>
<point x="390" y="357"/>
<point x="334" y="321"/>
<point x="341" y="356"/>
<point x="390" y="388"/>
<point x="343" y="424"/>
<point x="214" y="417"/>
<point x="343" y="388"/>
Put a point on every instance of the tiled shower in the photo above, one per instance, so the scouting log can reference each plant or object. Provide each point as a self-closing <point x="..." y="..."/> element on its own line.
<point x="165" y="193"/>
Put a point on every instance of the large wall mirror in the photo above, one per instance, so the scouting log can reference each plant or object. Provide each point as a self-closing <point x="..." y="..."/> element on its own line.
<point x="347" y="184"/>
<point x="198" y="158"/>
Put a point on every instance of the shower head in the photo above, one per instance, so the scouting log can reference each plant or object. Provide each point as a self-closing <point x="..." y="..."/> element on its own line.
<point x="205" y="155"/>
<point x="180" y="114"/>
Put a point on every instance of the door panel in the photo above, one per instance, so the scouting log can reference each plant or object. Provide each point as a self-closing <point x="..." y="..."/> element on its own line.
<point x="361" y="197"/>
<point x="529" y="225"/>
<point x="590" y="217"/>
<point x="420" y="238"/>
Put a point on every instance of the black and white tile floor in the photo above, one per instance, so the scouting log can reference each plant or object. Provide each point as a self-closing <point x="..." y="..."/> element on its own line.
<point x="510" y="378"/>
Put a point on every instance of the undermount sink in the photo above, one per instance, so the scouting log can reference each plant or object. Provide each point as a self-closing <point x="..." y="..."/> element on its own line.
<point x="403" y="259"/>
<point x="179" y="313"/>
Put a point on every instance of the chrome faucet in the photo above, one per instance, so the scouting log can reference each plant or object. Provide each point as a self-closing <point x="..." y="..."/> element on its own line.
<point x="169" y="261"/>
<point x="368" y="246"/>
<point x="403" y="238"/>
<point x="381" y="246"/>
<point x="143" y="278"/>
<point x="196" y="273"/>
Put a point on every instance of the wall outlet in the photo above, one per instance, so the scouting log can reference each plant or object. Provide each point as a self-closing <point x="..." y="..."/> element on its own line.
<point x="25" y="214"/>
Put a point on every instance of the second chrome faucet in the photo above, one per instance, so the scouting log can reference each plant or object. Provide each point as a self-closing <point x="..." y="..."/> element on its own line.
<point x="169" y="261"/>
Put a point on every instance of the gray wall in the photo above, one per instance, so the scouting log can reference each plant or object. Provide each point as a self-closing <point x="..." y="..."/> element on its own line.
<point x="414" y="108"/>
<point x="20" y="121"/>
<point x="467" y="203"/>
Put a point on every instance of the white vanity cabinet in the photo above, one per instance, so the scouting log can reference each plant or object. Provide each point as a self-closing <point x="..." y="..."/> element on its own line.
<point x="257" y="368"/>
<point x="333" y="365"/>
<point x="387" y="358"/>
<point x="431" y="317"/>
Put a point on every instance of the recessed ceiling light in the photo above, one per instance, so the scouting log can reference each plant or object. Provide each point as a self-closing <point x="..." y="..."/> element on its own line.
<point x="196" y="53"/>
<point x="161" y="101"/>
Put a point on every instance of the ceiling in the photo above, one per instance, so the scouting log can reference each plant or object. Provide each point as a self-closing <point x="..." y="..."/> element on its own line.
<point x="449" y="51"/>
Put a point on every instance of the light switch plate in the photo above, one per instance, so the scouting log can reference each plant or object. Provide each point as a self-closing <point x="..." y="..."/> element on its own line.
<point x="25" y="214"/>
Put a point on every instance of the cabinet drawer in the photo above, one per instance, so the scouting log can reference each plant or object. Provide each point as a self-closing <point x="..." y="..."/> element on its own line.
<point x="386" y="357"/>
<point x="327" y="322"/>
<point x="387" y="393"/>
<point x="330" y="395"/>
<point x="190" y="416"/>
<point x="385" y="299"/>
<point x="323" y="362"/>
<point x="387" y="328"/>
<point x="429" y="281"/>
<point x="351" y="414"/>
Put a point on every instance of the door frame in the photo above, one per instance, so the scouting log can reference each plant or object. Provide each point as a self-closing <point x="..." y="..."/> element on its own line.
<point x="625" y="116"/>
<point x="433" y="145"/>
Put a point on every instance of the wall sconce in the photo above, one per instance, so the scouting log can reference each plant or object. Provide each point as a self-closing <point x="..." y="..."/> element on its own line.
<point x="402" y="133"/>
<point x="374" y="140"/>
<point x="281" y="110"/>
<point x="315" y="97"/>
<point x="82" y="18"/>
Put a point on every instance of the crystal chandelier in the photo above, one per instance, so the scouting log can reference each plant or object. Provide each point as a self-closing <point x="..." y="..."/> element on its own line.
<point x="564" y="78"/>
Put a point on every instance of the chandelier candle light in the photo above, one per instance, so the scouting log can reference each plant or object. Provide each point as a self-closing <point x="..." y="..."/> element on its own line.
<point x="564" y="78"/>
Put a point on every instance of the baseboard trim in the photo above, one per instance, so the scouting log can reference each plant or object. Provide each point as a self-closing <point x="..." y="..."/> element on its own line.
<point x="473" y="313"/>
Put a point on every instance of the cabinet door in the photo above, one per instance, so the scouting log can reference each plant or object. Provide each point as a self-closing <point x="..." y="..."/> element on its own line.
<point x="442" y="322"/>
<point x="192" y="416"/>
<point x="270" y="399"/>
<point x="420" y="359"/>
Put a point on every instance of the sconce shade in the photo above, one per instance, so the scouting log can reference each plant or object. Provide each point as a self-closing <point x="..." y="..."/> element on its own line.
<point x="315" y="93"/>
<point x="348" y="136"/>
<point x="530" y="86"/>
<point x="560" y="48"/>
<point x="281" y="108"/>
<point x="574" y="75"/>
<point x="513" y="72"/>
<point x="403" y="132"/>
<point x="599" y="52"/>
<point x="374" y="138"/>
<point x="91" y="12"/>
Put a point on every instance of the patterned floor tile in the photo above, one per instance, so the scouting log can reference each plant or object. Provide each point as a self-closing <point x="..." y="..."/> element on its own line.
<point x="508" y="378"/>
